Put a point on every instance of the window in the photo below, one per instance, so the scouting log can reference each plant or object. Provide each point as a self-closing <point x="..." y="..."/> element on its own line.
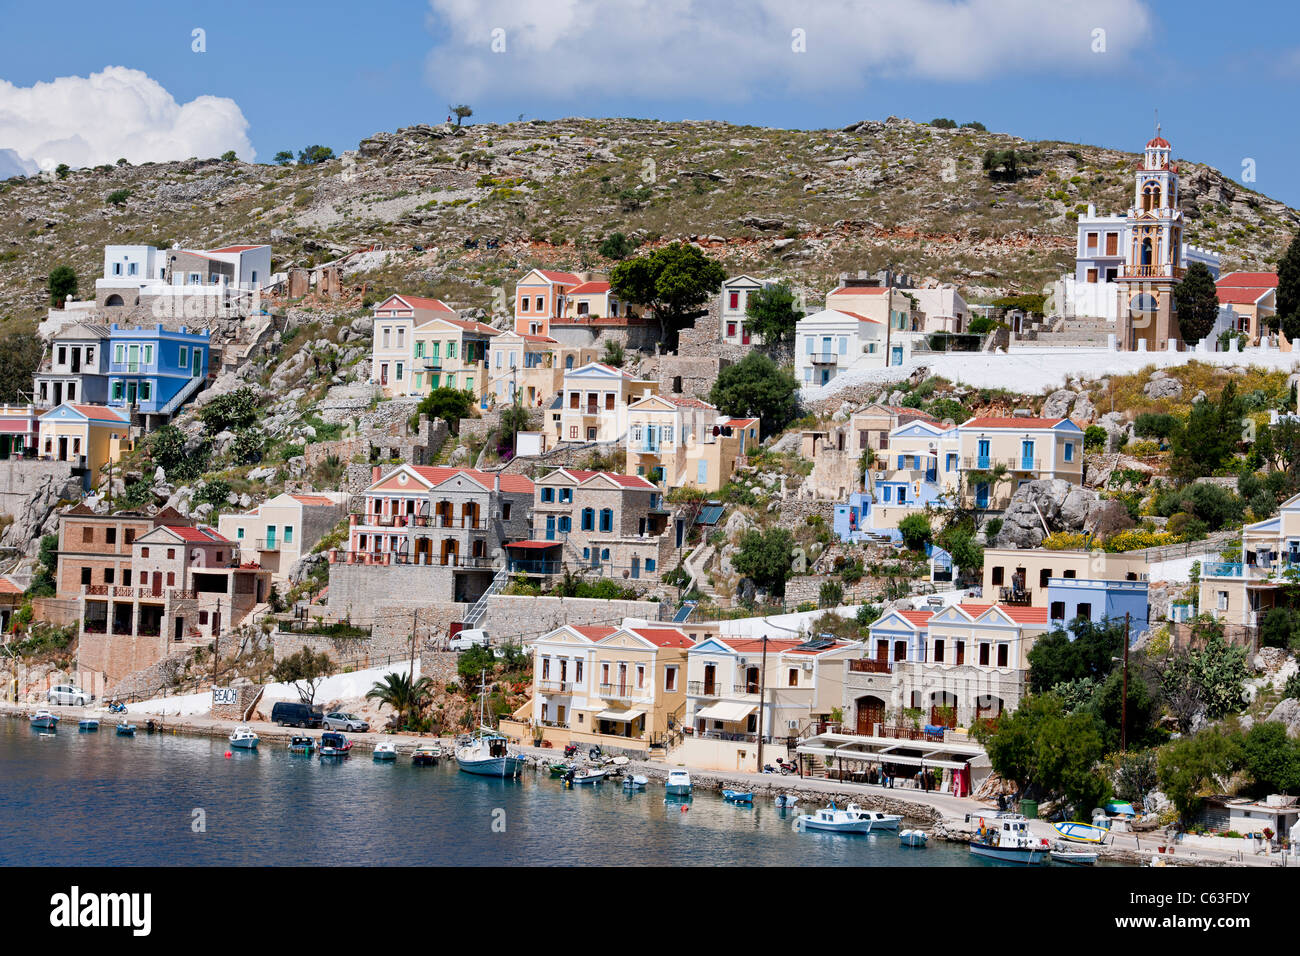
<point x="1069" y="451"/>
<point x="146" y="391"/>
<point x="650" y="565"/>
<point x="1044" y="576"/>
<point x="1223" y="600"/>
<point x="109" y="576"/>
<point x="118" y="352"/>
<point x="144" y="552"/>
<point x="148" y="355"/>
<point x="1058" y="611"/>
<point x="1084" y="610"/>
<point x="670" y="678"/>
<point x="171" y="554"/>
<point x="505" y="511"/>
<point x="85" y="575"/>
<point x="288" y="534"/>
<point x="171" y="579"/>
<point x="540" y="306"/>
<point x="702" y="473"/>
<point x="733" y="302"/>
<point x="640" y="676"/>
<point x="185" y="356"/>
<point x="984" y="654"/>
<point x="87" y="535"/>
<point x="110" y="536"/>
<point x="398" y="376"/>
<point x="548" y="494"/>
<point x="126" y="577"/>
<point x="792" y="677"/>
<point x="1004" y="653"/>
<point x="566" y="524"/>
<point x="566" y="495"/>
<point x="938" y="651"/>
<point x="606" y="519"/>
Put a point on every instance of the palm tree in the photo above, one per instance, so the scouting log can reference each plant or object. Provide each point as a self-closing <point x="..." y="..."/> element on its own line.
<point x="399" y="692"/>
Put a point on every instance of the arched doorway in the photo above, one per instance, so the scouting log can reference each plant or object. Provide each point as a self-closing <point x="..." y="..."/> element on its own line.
<point x="114" y="299"/>
<point x="870" y="711"/>
<point x="943" y="709"/>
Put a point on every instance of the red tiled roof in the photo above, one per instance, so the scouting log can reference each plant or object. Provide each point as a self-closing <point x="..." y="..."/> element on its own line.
<point x="316" y="500"/>
<point x="8" y="587"/>
<point x="1013" y="423"/>
<point x="861" y="290"/>
<point x="1024" y="615"/>
<point x="563" y="278"/>
<point x="1242" y="295"/>
<point x="814" y="651"/>
<point x="470" y="325"/>
<point x="1158" y="143"/>
<point x="197" y="535"/>
<point x="590" y="288"/>
<point x="859" y="316"/>
<point x="1266" y="280"/>
<point x="593" y="632"/>
<point x="533" y="544"/>
<point x="437" y="475"/>
<point x="918" y="618"/>
<point x="418" y="302"/>
<point x="741" y="422"/>
<point x="537" y="338"/>
<point x="748" y="644"/>
<point x="626" y="481"/>
<point x="100" y="413"/>
<point x="687" y="402"/>
<point x="663" y="636"/>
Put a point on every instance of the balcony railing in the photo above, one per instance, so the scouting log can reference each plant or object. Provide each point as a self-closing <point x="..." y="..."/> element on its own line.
<point x="268" y="544"/>
<point x="823" y="358"/>
<point x="1030" y="464"/>
<point x="1223" y="569"/>
<point x="463" y="522"/>
<point x="621" y="691"/>
<point x="704" y="689"/>
<point x="429" y="560"/>
<point x="536" y="567"/>
<point x="867" y="665"/>
<point x="1016" y="596"/>
<point x="555" y="686"/>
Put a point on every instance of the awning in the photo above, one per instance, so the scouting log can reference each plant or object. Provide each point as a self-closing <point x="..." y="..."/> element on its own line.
<point x="625" y="715"/>
<point x="533" y="544"/>
<point x="726" y="711"/>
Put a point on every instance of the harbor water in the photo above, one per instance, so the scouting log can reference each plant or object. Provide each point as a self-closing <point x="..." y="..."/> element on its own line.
<point x="96" y="799"/>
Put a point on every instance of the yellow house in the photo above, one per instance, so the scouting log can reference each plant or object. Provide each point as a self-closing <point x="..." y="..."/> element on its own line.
<point x="1020" y="575"/>
<point x="450" y="353"/>
<point x="620" y="688"/>
<point x="1021" y="449"/>
<point x="1242" y="592"/>
<point x="89" y="436"/>
<point x="684" y="442"/>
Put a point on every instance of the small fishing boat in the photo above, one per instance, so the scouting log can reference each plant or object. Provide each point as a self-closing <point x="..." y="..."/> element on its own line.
<point x="243" y="738"/>
<point x="1010" y="841"/>
<point x="913" y="837"/>
<point x="1115" y="808"/>
<point x="1074" y="855"/>
<point x="125" y="730"/>
<point x="833" y="820"/>
<point x="426" y="755"/>
<point x="586" y="776"/>
<point x="560" y="769"/>
<point x="301" y="745"/>
<point x="334" y="745"/>
<point x="1081" y="832"/>
<point x="879" y="820"/>
<point x="385" y="751"/>
<point x="45" y="720"/>
<point x="635" y="781"/>
<point x="784" y="801"/>
<point x="738" y="797"/>
<point x="488" y="753"/>
<point x="678" y="784"/>
<point x="89" y="725"/>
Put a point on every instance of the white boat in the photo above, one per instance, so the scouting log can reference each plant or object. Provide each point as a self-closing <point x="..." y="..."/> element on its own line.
<point x="679" y="783"/>
<point x="1008" y="839"/>
<point x="879" y="820"/>
<point x="90" y="725"/>
<point x="243" y="738"/>
<point x="913" y="837"/>
<point x="1082" y="832"/>
<point x="587" y="776"/>
<point x="785" y="801"/>
<point x="488" y="754"/>
<point x="385" y="751"/>
<point x="45" y="719"/>
<point x="834" y="821"/>
<point x="635" y="782"/>
<point x="1074" y="855"/>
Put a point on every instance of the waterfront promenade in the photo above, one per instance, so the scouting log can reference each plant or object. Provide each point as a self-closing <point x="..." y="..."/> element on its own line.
<point x="944" y="814"/>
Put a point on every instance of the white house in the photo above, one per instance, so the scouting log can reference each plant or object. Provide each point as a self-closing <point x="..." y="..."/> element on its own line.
<point x="734" y="300"/>
<point x="831" y="341"/>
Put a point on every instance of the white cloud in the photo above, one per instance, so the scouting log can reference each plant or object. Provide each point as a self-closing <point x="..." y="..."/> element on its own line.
<point x="118" y="112"/>
<point x="741" y="49"/>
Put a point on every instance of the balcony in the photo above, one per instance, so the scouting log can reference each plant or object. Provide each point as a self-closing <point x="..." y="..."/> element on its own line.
<point x="823" y="358"/>
<point x="430" y="363"/>
<point x="1151" y="272"/>
<point x="1030" y="464"/>
<point x="1018" y="597"/>
<point x="866" y="665"/>
<point x="267" y="544"/>
<point x="1223" y="569"/>
<point x="699" y="688"/>
<point x="555" y="686"/>
<point x="621" y="692"/>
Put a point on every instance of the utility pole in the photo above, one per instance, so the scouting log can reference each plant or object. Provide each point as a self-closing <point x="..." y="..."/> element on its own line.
<point x="762" y="693"/>
<point x="1123" y="720"/>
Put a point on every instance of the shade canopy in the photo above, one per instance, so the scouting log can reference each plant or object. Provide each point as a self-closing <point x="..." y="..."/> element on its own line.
<point x="727" y="711"/>
<point x="626" y="715"/>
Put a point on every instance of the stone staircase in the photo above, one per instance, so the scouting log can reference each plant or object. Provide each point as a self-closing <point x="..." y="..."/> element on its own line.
<point x="1067" y="332"/>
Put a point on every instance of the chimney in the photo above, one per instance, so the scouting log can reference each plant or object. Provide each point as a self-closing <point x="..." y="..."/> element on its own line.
<point x="374" y="473"/>
<point x="496" y="482"/>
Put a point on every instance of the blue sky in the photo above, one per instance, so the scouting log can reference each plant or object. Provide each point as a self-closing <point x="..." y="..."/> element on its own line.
<point x="288" y="74"/>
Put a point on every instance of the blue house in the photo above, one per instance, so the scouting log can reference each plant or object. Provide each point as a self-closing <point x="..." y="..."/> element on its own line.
<point x="1097" y="600"/>
<point x="155" y="371"/>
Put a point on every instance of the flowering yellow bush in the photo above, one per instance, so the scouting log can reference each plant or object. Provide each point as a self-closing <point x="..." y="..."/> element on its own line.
<point x="1065" y="541"/>
<point x="1137" y="538"/>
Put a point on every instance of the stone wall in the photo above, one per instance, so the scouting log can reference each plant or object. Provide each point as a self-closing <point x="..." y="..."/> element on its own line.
<point x="691" y="376"/>
<point x="118" y="655"/>
<point x="512" y="618"/>
<point x="478" y="428"/>
<point x="562" y="456"/>
<point x="30" y="490"/>
<point x="795" y="512"/>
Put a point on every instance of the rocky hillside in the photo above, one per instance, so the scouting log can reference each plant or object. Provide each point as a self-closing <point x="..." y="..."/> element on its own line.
<point x="808" y="204"/>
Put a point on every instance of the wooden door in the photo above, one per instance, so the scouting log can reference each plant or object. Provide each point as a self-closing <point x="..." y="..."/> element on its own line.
<point x="871" y="711"/>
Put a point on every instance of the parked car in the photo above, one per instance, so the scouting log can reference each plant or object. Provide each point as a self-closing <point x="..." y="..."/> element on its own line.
<point x="69" y="694"/>
<point x="468" y="638"/>
<point x="292" y="714"/>
<point x="349" y="722"/>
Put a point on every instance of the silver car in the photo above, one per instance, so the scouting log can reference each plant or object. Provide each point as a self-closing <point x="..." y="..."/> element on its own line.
<point x="349" y="722"/>
<point x="69" y="694"/>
